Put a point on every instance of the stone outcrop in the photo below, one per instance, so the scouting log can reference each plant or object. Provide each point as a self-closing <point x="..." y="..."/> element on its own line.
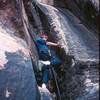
<point x="17" y="78"/>
<point x="17" y="49"/>
<point x="86" y="10"/>
<point x="81" y="80"/>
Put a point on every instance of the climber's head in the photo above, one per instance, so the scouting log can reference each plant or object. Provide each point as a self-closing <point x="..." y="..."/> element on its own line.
<point x="44" y="36"/>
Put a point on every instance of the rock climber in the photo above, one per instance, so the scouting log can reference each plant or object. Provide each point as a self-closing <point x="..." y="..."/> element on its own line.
<point x="47" y="54"/>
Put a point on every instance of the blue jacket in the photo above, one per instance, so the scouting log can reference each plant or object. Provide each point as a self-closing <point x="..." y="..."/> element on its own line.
<point x="43" y="51"/>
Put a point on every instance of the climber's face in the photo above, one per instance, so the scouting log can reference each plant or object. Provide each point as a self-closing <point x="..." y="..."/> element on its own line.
<point x="45" y="37"/>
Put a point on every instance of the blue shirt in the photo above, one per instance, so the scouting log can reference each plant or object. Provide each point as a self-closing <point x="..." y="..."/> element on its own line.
<point x="43" y="48"/>
<point x="43" y="51"/>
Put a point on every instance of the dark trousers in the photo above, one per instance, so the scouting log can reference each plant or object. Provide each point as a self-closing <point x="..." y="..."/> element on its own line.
<point x="45" y="76"/>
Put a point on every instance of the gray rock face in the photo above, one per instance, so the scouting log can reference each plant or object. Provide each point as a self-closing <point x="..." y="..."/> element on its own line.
<point x="82" y="43"/>
<point x="86" y="10"/>
<point x="74" y="37"/>
<point x="81" y="81"/>
<point x="79" y="4"/>
<point x="17" y="80"/>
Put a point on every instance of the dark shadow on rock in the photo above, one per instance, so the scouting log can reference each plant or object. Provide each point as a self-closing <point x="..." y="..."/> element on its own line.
<point x="81" y="83"/>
